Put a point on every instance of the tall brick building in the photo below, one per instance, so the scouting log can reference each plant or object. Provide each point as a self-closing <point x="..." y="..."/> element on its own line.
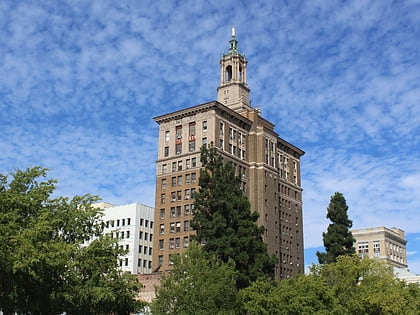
<point x="270" y="166"/>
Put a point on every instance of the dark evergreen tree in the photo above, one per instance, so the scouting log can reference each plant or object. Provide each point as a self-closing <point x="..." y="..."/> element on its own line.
<point x="338" y="240"/>
<point x="225" y="223"/>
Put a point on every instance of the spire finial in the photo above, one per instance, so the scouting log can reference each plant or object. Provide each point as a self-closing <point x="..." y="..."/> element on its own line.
<point x="233" y="31"/>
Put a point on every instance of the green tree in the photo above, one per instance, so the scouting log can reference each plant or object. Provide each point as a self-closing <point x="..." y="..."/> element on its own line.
<point x="348" y="286"/>
<point x="197" y="285"/>
<point x="45" y="265"/>
<point x="224" y="222"/>
<point x="338" y="240"/>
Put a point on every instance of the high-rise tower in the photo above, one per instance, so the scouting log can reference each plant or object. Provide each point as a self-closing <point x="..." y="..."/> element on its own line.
<point x="269" y="164"/>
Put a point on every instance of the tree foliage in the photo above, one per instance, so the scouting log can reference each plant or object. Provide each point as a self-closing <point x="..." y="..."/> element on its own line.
<point x="197" y="285"/>
<point x="348" y="286"/>
<point x="225" y="223"/>
<point x="45" y="268"/>
<point x="338" y="240"/>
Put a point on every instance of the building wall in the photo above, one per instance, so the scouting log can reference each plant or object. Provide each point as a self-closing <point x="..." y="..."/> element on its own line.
<point x="388" y="244"/>
<point x="133" y="225"/>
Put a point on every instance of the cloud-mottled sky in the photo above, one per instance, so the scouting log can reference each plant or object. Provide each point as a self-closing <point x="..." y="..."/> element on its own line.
<point x="81" y="80"/>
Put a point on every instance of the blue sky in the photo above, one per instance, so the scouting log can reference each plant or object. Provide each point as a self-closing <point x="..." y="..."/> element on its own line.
<point x="81" y="80"/>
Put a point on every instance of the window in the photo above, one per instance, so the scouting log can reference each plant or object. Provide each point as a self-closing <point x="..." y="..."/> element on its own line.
<point x="191" y="129"/>
<point x="204" y="142"/>
<point x="166" y="151"/>
<point x="187" y="210"/>
<point x="172" y="227"/>
<point x="172" y="212"/>
<point x="162" y="213"/>
<point x="179" y="180"/>
<point x="141" y="235"/>
<point x="145" y="250"/>
<point x="178" y="132"/>
<point x="173" y="181"/>
<point x="150" y="252"/>
<point x="177" y="242"/>
<point x="179" y="165"/>
<point x="192" y="193"/>
<point x="173" y="197"/>
<point x="123" y="222"/>
<point x="187" y="179"/>
<point x="193" y="177"/>
<point x="186" y="226"/>
<point x="163" y="183"/>
<point x="205" y="126"/>
<point x="162" y="229"/>
<point x="178" y="211"/>
<point x="127" y="234"/>
<point x="127" y="247"/>
<point x="128" y="221"/>
<point x="221" y="144"/>
<point x="164" y="168"/>
<point x="150" y="237"/>
<point x="160" y="259"/>
<point x="171" y="243"/>
<point x="146" y="235"/>
<point x="173" y="166"/>
<point x="178" y="195"/>
<point x="118" y="222"/>
<point x="178" y="227"/>
<point x="186" y="241"/>
<point x="222" y="128"/>
<point x="167" y="136"/>
<point x="146" y="223"/>
<point x="194" y="162"/>
<point x="230" y="133"/>
<point x="162" y="198"/>
<point x="187" y="194"/>
<point x="151" y="224"/>
<point x="178" y="148"/>
<point x="141" y="222"/>
<point x="140" y="249"/>
<point x="187" y="163"/>
<point x="126" y="261"/>
<point x="191" y="146"/>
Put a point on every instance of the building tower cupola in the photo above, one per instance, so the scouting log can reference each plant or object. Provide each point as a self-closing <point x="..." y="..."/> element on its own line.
<point x="233" y="90"/>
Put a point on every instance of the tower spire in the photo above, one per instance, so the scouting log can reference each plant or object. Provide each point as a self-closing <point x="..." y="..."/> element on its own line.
<point x="233" y="90"/>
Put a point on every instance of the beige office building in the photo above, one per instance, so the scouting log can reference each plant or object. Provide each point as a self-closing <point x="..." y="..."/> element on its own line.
<point x="270" y="166"/>
<point x="383" y="243"/>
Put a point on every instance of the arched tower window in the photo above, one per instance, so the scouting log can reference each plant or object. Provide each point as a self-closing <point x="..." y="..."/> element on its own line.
<point x="228" y="73"/>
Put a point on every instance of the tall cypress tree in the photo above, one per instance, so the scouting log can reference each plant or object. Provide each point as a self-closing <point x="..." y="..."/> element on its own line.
<point x="225" y="223"/>
<point x="338" y="240"/>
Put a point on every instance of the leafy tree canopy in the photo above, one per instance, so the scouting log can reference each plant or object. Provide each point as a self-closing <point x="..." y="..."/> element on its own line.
<point x="45" y="265"/>
<point x="348" y="286"/>
<point x="225" y="223"/>
<point x="338" y="239"/>
<point x="197" y="285"/>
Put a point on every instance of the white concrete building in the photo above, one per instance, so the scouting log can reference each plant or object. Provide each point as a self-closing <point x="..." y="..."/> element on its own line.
<point x="132" y="224"/>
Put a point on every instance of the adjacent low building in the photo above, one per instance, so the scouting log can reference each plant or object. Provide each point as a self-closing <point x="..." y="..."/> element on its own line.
<point x="133" y="225"/>
<point x="388" y="244"/>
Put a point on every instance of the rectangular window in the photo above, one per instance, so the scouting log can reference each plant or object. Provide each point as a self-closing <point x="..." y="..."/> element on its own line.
<point x="222" y="128"/>
<point x="163" y="183"/>
<point x="128" y="221"/>
<point x="204" y="142"/>
<point x="173" y="181"/>
<point x="187" y="210"/>
<point x="160" y="259"/>
<point x="194" y="162"/>
<point x="191" y="129"/>
<point x="167" y="136"/>
<point x="177" y="242"/>
<point x="173" y="166"/>
<point x="172" y="212"/>
<point x="179" y="180"/>
<point x="126" y="261"/>
<point x="179" y="165"/>
<point x="178" y="132"/>
<point x="162" y="198"/>
<point x="178" y="148"/>
<point x="193" y="177"/>
<point x="171" y="243"/>
<point x="205" y="126"/>
<point x="146" y="235"/>
<point x="127" y="234"/>
<point x="162" y="229"/>
<point x="187" y="163"/>
<point x="150" y="252"/>
<point x="191" y="146"/>
<point x="186" y="226"/>
<point x="221" y="144"/>
<point x="187" y="194"/>
<point x="161" y="244"/>
<point x="178" y="227"/>
<point x="192" y="193"/>
<point x="123" y="222"/>
<point x="179" y="195"/>
<point x="164" y="168"/>
<point x="172" y="227"/>
<point x="173" y="197"/>
<point x="166" y="151"/>
<point x="150" y="237"/>
<point x="145" y="248"/>
<point x="187" y="179"/>
<point x="146" y="223"/>
<point x="178" y="211"/>
<point x="118" y="222"/>
<point x="186" y="241"/>
<point x="162" y="213"/>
